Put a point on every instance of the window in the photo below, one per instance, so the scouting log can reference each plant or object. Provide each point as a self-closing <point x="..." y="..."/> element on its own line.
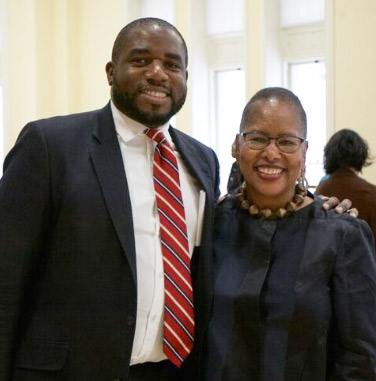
<point x="303" y="50"/>
<point x="307" y="80"/>
<point x="229" y="100"/>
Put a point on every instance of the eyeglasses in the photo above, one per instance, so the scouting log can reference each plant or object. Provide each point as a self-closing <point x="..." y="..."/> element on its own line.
<point x="285" y="143"/>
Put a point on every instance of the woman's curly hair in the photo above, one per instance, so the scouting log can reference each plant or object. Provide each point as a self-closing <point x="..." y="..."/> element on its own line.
<point x="346" y="149"/>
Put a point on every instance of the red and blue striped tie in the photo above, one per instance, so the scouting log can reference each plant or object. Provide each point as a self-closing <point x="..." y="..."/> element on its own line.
<point x="178" y="332"/>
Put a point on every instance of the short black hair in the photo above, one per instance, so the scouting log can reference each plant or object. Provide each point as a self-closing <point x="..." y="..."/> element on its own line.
<point x="124" y="33"/>
<point x="346" y="149"/>
<point x="283" y="95"/>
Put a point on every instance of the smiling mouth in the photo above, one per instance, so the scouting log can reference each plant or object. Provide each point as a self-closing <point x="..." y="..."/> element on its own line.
<point x="155" y="94"/>
<point x="269" y="170"/>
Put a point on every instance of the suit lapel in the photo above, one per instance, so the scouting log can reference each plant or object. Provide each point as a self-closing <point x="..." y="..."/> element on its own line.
<point x="108" y="163"/>
<point x="191" y="159"/>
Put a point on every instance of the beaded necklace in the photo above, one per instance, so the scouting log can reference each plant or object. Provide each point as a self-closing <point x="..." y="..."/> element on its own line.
<point x="267" y="213"/>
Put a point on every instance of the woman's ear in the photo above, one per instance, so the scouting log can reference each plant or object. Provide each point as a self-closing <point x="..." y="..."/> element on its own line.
<point x="305" y="148"/>
<point x="303" y="171"/>
<point x="235" y="147"/>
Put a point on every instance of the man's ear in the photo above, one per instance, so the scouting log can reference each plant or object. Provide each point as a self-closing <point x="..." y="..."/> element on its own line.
<point x="110" y="72"/>
<point x="235" y="147"/>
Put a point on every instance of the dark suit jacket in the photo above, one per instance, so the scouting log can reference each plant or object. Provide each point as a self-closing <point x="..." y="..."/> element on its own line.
<point x="67" y="253"/>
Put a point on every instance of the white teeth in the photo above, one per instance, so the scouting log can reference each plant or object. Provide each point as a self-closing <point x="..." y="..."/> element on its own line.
<point x="155" y="94"/>
<point x="270" y="171"/>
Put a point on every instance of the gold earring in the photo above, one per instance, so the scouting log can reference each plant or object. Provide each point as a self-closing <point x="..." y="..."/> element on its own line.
<point x="302" y="183"/>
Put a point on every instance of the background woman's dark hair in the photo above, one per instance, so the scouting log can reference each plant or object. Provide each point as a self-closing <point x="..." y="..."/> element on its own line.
<point x="346" y="149"/>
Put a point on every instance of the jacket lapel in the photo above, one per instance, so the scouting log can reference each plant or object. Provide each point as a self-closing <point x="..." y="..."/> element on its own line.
<point x="191" y="158"/>
<point x="108" y="164"/>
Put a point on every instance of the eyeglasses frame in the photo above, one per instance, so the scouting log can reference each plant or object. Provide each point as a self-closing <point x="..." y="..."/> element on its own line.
<point x="244" y="134"/>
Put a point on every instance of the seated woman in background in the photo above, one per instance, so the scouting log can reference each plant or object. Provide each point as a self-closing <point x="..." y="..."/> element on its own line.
<point x="295" y="285"/>
<point x="345" y="155"/>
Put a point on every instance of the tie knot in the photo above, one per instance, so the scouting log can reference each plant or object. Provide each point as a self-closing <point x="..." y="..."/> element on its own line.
<point x="156" y="135"/>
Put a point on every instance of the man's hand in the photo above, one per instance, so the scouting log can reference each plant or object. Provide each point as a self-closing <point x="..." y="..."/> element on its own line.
<point x="340" y="207"/>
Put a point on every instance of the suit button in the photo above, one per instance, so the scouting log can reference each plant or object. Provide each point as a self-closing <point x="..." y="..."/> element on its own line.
<point x="130" y="320"/>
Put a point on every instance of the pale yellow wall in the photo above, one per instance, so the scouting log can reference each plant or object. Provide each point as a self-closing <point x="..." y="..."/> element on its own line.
<point x="22" y="69"/>
<point x="58" y="50"/>
<point x="354" y="70"/>
<point x="183" y="22"/>
<point x="100" y="22"/>
<point x="254" y="38"/>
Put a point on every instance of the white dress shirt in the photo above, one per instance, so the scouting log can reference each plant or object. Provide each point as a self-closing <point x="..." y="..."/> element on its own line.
<point x="138" y="151"/>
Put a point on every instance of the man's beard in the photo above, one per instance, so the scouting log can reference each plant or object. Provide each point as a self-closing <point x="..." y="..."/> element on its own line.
<point x="127" y="105"/>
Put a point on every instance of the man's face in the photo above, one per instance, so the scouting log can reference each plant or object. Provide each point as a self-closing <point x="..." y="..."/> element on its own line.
<point x="149" y="80"/>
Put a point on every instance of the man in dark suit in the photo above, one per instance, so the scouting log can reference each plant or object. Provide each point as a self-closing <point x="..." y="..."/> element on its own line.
<point x="81" y="274"/>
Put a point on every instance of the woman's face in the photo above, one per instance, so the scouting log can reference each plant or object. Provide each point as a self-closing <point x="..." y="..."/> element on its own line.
<point x="270" y="174"/>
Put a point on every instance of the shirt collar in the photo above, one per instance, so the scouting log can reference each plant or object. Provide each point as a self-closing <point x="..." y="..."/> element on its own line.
<point x="128" y="128"/>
